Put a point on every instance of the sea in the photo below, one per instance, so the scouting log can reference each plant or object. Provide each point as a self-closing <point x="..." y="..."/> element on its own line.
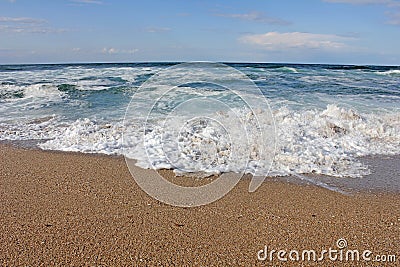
<point x="266" y="119"/>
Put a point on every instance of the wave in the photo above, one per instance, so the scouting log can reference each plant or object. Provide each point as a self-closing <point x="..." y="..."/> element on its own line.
<point x="287" y="69"/>
<point x="314" y="137"/>
<point x="11" y="92"/>
<point x="48" y="92"/>
<point x="95" y="84"/>
<point x="314" y="141"/>
<point x="389" y="72"/>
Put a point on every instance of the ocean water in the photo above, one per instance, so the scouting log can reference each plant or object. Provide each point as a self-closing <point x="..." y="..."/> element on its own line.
<point x="316" y="119"/>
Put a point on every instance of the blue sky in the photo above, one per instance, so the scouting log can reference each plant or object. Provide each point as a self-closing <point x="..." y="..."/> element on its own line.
<point x="306" y="31"/>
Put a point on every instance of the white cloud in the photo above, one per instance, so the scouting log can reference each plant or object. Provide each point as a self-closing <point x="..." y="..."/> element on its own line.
<point x="112" y="50"/>
<point x="26" y="25"/>
<point x="109" y="50"/>
<point x="24" y="20"/>
<point x="19" y="29"/>
<point x="296" y="40"/>
<point x="257" y="17"/>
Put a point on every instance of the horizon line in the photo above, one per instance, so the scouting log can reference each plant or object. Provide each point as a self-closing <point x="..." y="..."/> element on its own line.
<point x="179" y="62"/>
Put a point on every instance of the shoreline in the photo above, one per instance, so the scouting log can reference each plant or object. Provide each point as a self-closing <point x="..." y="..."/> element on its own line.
<point x="384" y="177"/>
<point x="63" y="208"/>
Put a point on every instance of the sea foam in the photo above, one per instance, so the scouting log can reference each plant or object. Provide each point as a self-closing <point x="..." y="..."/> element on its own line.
<point x="313" y="141"/>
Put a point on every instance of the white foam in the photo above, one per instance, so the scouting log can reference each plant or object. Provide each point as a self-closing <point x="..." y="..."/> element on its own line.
<point x="313" y="141"/>
<point x="76" y="75"/>
<point x="288" y="69"/>
<point x="31" y="129"/>
<point x="8" y="92"/>
<point x="94" y="85"/>
<point x="48" y="92"/>
<point x="389" y="72"/>
<point x="86" y="136"/>
<point x="328" y="142"/>
<point x="21" y="99"/>
<point x="34" y="91"/>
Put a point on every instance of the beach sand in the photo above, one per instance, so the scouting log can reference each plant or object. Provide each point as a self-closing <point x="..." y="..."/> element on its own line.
<point x="86" y="210"/>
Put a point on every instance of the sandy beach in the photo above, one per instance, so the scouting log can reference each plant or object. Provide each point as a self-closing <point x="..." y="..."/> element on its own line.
<point x="200" y="133"/>
<point x="76" y="209"/>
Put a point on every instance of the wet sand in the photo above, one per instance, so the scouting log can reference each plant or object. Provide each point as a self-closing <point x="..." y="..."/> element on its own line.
<point x="78" y="209"/>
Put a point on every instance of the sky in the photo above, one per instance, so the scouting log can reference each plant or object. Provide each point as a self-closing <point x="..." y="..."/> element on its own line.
<point x="297" y="31"/>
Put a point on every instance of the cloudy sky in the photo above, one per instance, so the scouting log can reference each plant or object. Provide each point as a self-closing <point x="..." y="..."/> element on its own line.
<point x="306" y="31"/>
